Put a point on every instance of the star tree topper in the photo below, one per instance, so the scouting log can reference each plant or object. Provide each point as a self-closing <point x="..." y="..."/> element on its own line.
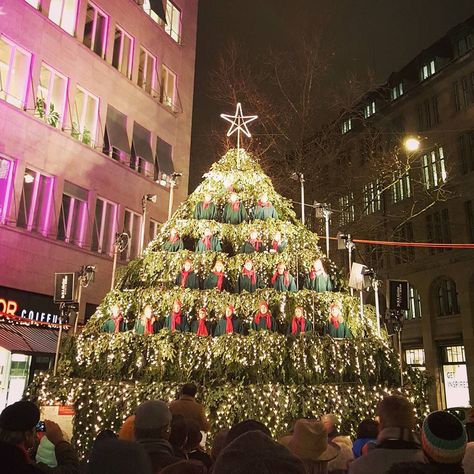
<point x="239" y="124"/>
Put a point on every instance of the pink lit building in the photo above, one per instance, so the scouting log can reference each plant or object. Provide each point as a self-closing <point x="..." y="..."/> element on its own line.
<point x="95" y="113"/>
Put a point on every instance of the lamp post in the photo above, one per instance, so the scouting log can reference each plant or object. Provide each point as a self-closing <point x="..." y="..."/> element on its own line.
<point x="85" y="276"/>
<point x="145" y="199"/>
<point x="300" y="177"/>
<point x="324" y="210"/>
<point x="173" y="183"/>
<point x="120" y="244"/>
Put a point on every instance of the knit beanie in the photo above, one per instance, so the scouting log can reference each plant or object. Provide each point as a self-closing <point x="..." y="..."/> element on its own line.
<point x="443" y="438"/>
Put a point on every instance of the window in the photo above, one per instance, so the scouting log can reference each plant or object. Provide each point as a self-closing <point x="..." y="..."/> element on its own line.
<point x="438" y="229"/>
<point x="346" y="126"/>
<point x="173" y="21"/>
<point x="372" y="197"/>
<point x="149" y="11"/>
<point x="168" y="87"/>
<point x="147" y="71"/>
<point x="466" y="151"/>
<point x="464" y="44"/>
<point x="36" y="202"/>
<point x="346" y="205"/>
<point x="34" y="3"/>
<point x="142" y="158"/>
<point x="434" y="168"/>
<point x="401" y="188"/>
<point x="95" y="29"/>
<point x="51" y="99"/>
<point x="14" y="72"/>
<point x="428" y="113"/>
<point x="374" y="256"/>
<point x="86" y="108"/>
<point x="63" y="13"/>
<point x="454" y="355"/>
<point x="6" y="186"/>
<point x="73" y="215"/>
<point x="415" y="357"/>
<point x="427" y="70"/>
<point x="123" y="52"/>
<point x="397" y="91"/>
<point x="105" y="226"/>
<point x="414" y="311"/>
<point x="447" y="298"/>
<point x="153" y="229"/>
<point x="132" y="226"/>
<point x="463" y="91"/>
<point x="468" y="209"/>
<point x="404" y="254"/>
<point x="369" y="109"/>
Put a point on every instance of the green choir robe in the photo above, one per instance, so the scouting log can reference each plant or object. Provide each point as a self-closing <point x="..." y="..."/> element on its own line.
<point x="279" y="283"/>
<point x="245" y="283"/>
<point x="195" y="326"/>
<point x="247" y="247"/>
<point x="319" y="283"/>
<point x="278" y="247"/>
<point x="191" y="282"/>
<point x="308" y="327"/>
<point x="215" y="245"/>
<point x="262" y="325"/>
<point x="109" y="326"/>
<point x="158" y="324"/>
<point x="342" y="331"/>
<point x="265" y="212"/>
<point x="139" y="328"/>
<point x="182" y="327"/>
<point x="169" y="246"/>
<point x="229" y="216"/>
<point x="209" y="213"/>
<point x="211" y="282"/>
<point x="222" y="324"/>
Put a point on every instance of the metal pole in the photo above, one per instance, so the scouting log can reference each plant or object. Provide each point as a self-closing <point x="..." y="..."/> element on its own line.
<point x="327" y="213"/>
<point x="79" y="295"/>
<point x="375" y="285"/>
<point x="170" y="206"/>
<point x="401" y="356"/>
<point x="361" y="301"/>
<point x="142" y="232"/>
<point x="349" y="251"/>
<point x="56" y="355"/>
<point x="114" y="262"/>
<point x="302" y="198"/>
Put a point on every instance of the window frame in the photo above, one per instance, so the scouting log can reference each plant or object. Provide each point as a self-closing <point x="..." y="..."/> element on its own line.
<point x="433" y="165"/>
<point x="396" y="91"/>
<point x="6" y="198"/>
<point x="168" y="72"/>
<point x="97" y="11"/>
<point x="153" y="92"/>
<point x="346" y="126"/>
<point x="62" y="112"/>
<point x="347" y="206"/>
<point x="83" y="211"/>
<point x="427" y="70"/>
<point x="170" y="12"/>
<point x="369" y="109"/>
<point x="80" y="121"/>
<point x="100" y="237"/>
<point x="372" y="197"/>
<point x="135" y="235"/>
<point x="447" y="298"/>
<point x="401" y="188"/>
<point x="60" y="22"/>
<point x="119" y="66"/>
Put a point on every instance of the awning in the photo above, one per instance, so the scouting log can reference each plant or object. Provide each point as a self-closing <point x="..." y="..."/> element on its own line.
<point x="157" y="7"/>
<point x="116" y="128"/>
<point x="141" y="143"/>
<point x="164" y="156"/>
<point x="28" y="339"/>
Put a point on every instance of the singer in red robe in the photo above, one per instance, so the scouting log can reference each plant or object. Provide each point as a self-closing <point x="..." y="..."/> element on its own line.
<point x="145" y="323"/>
<point x="187" y="278"/>
<point x="201" y="326"/>
<point x="229" y="323"/>
<point x="299" y="324"/>
<point x="177" y="321"/>
<point x="263" y="319"/>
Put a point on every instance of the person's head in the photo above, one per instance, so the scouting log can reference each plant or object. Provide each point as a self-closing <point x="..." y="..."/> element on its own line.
<point x="116" y="456"/>
<point x="248" y="265"/>
<point x="367" y="429"/>
<point x="318" y="265"/>
<point x="177" y="306"/>
<point x="443" y="438"/>
<point x="263" y="198"/>
<point x="229" y="311"/>
<point x="207" y="198"/>
<point x="396" y="411"/>
<point x="194" y="435"/>
<point x="299" y="312"/>
<point x="335" y="310"/>
<point x="234" y="197"/>
<point x="202" y="313"/>
<point x="189" y="389"/>
<point x="219" y="266"/>
<point x="126" y="431"/>
<point x="253" y="235"/>
<point x="244" y="427"/>
<point x="277" y="236"/>
<point x="18" y="422"/>
<point x="207" y="232"/>
<point x="116" y="310"/>
<point x="263" y="307"/>
<point x="152" y="420"/>
<point x="281" y="267"/>
<point x="148" y="311"/>
<point x="330" y="422"/>
<point x="220" y="442"/>
<point x="188" y="265"/>
<point x="173" y="231"/>
<point x="178" y="432"/>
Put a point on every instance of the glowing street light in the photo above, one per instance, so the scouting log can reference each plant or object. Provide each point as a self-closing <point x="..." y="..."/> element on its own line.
<point x="411" y="144"/>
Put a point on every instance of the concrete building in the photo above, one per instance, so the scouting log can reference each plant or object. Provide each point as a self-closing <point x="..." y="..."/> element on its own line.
<point x="432" y="200"/>
<point x="95" y="113"/>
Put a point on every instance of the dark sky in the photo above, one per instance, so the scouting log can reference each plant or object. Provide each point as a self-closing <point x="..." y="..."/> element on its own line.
<point x="382" y="35"/>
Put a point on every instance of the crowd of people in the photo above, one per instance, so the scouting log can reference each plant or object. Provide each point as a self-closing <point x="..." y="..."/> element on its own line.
<point x="171" y="439"/>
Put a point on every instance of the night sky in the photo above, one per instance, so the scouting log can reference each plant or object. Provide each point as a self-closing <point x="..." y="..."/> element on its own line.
<point x="381" y="35"/>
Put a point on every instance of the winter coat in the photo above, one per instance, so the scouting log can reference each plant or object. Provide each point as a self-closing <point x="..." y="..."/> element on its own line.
<point x="188" y="407"/>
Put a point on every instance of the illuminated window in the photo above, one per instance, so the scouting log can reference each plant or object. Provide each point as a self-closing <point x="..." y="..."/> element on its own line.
<point x="447" y="298"/>
<point x="434" y="168"/>
<point x="427" y="70"/>
<point x="34" y="3"/>
<point x="415" y="357"/>
<point x="86" y="111"/>
<point x="14" y="72"/>
<point x="401" y="188"/>
<point x="132" y="226"/>
<point x="73" y="215"/>
<point x="346" y="206"/>
<point x="346" y="126"/>
<point x="95" y="29"/>
<point x="51" y="99"/>
<point x="397" y="91"/>
<point x="6" y="186"/>
<point x="168" y="87"/>
<point x="369" y="109"/>
<point x="63" y="13"/>
<point x="372" y="197"/>
<point x="438" y="229"/>
<point x="105" y="226"/>
<point x="36" y="202"/>
<point x="454" y="355"/>
<point x="147" y="71"/>
<point x="414" y="311"/>
<point x="123" y="52"/>
<point x="173" y="21"/>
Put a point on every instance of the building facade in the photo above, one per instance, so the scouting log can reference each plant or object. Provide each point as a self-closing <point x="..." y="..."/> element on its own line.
<point x="380" y="191"/>
<point x="95" y="114"/>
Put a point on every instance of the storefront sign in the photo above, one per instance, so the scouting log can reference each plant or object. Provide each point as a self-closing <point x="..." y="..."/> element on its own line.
<point x="398" y="295"/>
<point x="456" y="386"/>
<point x="64" y="287"/>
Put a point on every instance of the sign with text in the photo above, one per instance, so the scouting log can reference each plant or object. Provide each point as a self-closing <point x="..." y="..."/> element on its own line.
<point x="398" y="295"/>
<point x="62" y="415"/>
<point x="64" y="287"/>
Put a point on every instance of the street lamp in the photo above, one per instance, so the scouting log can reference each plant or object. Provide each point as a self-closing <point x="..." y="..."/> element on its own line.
<point x="173" y="182"/>
<point x="324" y="210"/>
<point x="145" y="199"/>
<point x="300" y="177"/>
<point x="120" y="244"/>
<point x="411" y="144"/>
